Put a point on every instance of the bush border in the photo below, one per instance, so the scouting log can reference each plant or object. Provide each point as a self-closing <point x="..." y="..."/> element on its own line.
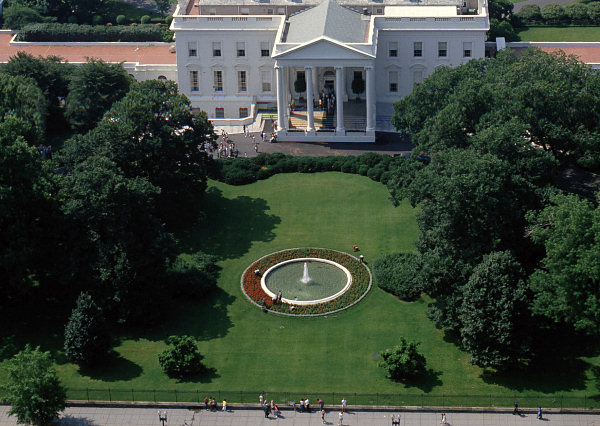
<point x="362" y="280"/>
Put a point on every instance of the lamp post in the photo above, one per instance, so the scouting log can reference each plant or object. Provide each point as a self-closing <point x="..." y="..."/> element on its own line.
<point x="162" y="417"/>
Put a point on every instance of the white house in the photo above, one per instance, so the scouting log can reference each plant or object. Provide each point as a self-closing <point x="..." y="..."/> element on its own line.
<point x="238" y="58"/>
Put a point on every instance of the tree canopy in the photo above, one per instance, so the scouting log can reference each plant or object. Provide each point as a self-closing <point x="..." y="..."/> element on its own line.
<point x="553" y="98"/>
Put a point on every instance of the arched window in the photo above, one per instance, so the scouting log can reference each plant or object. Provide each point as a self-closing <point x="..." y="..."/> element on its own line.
<point x="162" y="78"/>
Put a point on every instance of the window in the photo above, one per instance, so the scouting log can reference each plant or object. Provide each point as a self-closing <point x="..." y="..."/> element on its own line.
<point x="357" y="75"/>
<point x="264" y="49"/>
<point x="393" y="77"/>
<point x="212" y="11"/>
<point x="218" y="81"/>
<point x="219" y="112"/>
<point x="281" y="11"/>
<point x="300" y="75"/>
<point x="162" y="78"/>
<point x="194" y="85"/>
<point x="442" y="49"/>
<point x="393" y="49"/>
<point x="243" y="112"/>
<point x="241" y="48"/>
<point x="418" y="49"/>
<point x="379" y="11"/>
<point x="242" y="86"/>
<point x="467" y="47"/>
<point x="216" y="47"/>
<point x="269" y="11"/>
<point x="266" y="81"/>
<point x="244" y="11"/>
<point x="417" y="76"/>
<point x="192" y="48"/>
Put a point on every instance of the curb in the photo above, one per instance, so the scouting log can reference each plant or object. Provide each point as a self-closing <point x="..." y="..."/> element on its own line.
<point x="365" y="408"/>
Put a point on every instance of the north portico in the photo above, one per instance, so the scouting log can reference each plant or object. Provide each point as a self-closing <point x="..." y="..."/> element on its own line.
<point x="318" y="70"/>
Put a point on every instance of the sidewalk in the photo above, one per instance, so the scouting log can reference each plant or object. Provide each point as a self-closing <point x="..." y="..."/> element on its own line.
<point x="92" y="416"/>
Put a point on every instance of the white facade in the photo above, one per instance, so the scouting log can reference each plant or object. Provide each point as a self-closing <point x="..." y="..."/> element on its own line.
<point x="235" y="60"/>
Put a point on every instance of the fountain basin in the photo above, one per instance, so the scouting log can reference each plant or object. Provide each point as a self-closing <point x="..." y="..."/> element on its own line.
<point x="285" y="277"/>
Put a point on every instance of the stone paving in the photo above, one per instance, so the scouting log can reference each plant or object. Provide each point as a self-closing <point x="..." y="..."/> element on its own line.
<point x="103" y="416"/>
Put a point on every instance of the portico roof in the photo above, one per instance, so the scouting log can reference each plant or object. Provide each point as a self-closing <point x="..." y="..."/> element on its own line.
<point x="330" y="20"/>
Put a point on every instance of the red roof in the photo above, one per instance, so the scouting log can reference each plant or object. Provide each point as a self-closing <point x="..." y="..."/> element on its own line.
<point x="156" y="55"/>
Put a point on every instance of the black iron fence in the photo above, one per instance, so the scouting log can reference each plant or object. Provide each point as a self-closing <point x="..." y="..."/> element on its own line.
<point x="334" y="398"/>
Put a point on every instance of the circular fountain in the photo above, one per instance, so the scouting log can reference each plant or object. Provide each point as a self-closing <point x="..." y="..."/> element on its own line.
<point x="306" y="281"/>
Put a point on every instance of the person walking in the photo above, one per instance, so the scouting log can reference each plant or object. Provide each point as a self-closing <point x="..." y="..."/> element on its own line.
<point x="323" y="416"/>
<point x="321" y="404"/>
<point x="341" y="418"/>
<point x="344" y="405"/>
<point x="539" y="414"/>
<point x="443" y="421"/>
<point x="256" y="148"/>
<point x="516" y="410"/>
<point x="224" y="405"/>
<point x="267" y="410"/>
<point x="260" y="397"/>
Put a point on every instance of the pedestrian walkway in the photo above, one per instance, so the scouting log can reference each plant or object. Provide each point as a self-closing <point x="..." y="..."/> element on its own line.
<point x="101" y="416"/>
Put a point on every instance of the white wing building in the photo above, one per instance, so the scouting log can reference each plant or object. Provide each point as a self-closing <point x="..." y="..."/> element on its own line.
<point x="320" y="70"/>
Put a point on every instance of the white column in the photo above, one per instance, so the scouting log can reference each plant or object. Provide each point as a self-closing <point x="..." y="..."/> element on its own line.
<point x="370" y="99"/>
<point x="310" y="126"/>
<point x="315" y="82"/>
<point x="339" y="99"/>
<point x="281" y="106"/>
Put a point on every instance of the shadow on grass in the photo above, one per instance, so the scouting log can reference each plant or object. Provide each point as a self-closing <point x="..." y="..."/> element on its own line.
<point x="112" y="369"/>
<point x="205" y="320"/>
<point x="426" y="382"/>
<point x="232" y="225"/>
<point x="207" y="376"/>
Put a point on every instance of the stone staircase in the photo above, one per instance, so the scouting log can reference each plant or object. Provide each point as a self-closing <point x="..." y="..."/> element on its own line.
<point x="323" y="121"/>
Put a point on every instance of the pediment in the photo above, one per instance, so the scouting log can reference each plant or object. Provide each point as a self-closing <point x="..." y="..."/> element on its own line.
<point x="323" y="48"/>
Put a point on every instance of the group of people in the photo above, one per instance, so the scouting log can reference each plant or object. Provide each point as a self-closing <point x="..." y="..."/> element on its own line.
<point x="210" y="403"/>
<point x="327" y="101"/>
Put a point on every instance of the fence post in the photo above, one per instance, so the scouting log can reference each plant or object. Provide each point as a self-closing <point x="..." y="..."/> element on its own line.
<point x="442" y="399"/>
<point x="176" y="395"/>
<point x="561" y="402"/>
<point x="219" y="398"/>
<point x="491" y="400"/>
<point x="132" y="396"/>
<point x="198" y="396"/>
<point x="377" y="399"/>
<point x="87" y="392"/>
<point x="154" y="392"/>
<point x="422" y="400"/>
<point x="241" y="397"/>
<point x="109" y="395"/>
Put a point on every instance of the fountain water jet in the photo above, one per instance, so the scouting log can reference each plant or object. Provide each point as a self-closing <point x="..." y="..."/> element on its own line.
<point x="305" y="278"/>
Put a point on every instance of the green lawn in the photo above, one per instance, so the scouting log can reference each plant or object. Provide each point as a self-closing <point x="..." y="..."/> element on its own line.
<point x="248" y="350"/>
<point x="560" y="34"/>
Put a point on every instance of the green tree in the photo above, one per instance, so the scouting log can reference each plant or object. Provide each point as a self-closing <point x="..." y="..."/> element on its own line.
<point x="86" y="334"/>
<point x="162" y="6"/>
<point x="93" y="88"/>
<point x="20" y="97"/>
<point x="403" y="361"/>
<point x="125" y="247"/>
<point x="553" y="13"/>
<point x="32" y="388"/>
<point x="17" y="16"/>
<point x="52" y="76"/>
<point x="26" y="209"/>
<point x="193" y="275"/>
<point x="500" y="9"/>
<point x="494" y="311"/>
<point x="181" y="358"/>
<point x="502" y="29"/>
<point x="151" y="133"/>
<point x="566" y="286"/>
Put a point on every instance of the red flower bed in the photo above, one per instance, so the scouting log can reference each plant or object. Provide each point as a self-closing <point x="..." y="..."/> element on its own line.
<point x="361" y="281"/>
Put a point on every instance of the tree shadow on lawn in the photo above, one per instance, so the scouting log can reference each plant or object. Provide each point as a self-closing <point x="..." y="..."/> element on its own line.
<point x="555" y="366"/>
<point x="231" y="225"/>
<point x="207" y="376"/>
<point x="205" y="320"/>
<point x="113" y="368"/>
<point x="426" y="381"/>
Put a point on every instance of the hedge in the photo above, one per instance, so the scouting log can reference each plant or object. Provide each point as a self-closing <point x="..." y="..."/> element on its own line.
<point x="74" y="32"/>
<point x="241" y="171"/>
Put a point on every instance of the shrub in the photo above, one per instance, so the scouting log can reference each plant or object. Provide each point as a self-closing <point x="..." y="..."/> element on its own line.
<point x="553" y="13"/>
<point x="594" y="12"/>
<point x="145" y="19"/>
<point x="181" y="358"/>
<point x="398" y="273"/>
<point x="168" y="19"/>
<point x="121" y="19"/>
<point x="403" y="361"/>
<point x="193" y="275"/>
<point x="72" y="19"/>
<point x="530" y="13"/>
<point x="358" y="86"/>
<point x="300" y="85"/>
<point x="96" y="20"/>
<point x="577" y="12"/>
<point x="74" y="32"/>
